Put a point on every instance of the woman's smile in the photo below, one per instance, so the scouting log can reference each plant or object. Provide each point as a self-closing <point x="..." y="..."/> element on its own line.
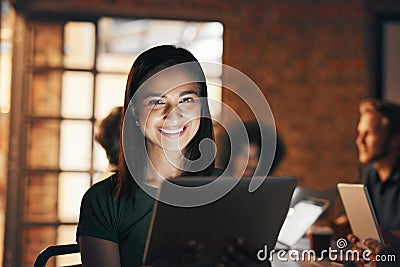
<point x="172" y="132"/>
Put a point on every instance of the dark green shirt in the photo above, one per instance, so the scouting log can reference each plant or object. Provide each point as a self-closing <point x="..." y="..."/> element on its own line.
<point x="122" y="222"/>
<point x="101" y="216"/>
<point x="385" y="196"/>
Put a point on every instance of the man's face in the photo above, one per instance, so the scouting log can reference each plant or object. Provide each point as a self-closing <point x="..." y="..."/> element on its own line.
<point x="373" y="139"/>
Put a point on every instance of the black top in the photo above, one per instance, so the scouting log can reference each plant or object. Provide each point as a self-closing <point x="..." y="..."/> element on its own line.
<point x="385" y="196"/>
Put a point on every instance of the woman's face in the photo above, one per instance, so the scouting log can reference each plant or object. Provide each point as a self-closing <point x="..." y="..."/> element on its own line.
<point x="169" y="111"/>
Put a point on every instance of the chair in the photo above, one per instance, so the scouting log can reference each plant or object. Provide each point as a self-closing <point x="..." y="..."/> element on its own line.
<point x="57" y="250"/>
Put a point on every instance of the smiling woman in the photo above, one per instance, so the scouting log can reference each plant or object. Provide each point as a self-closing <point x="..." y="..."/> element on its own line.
<point x="169" y="121"/>
<point x="166" y="116"/>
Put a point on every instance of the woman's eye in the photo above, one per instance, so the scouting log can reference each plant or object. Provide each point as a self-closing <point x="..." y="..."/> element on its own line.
<point x="188" y="100"/>
<point x="155" y="102"/>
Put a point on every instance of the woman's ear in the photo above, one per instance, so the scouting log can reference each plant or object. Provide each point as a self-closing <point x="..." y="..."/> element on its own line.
<point x="133" y="112"/>
<point x="135" y="116"/>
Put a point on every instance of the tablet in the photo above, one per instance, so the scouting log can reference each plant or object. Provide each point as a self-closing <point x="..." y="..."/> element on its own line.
<point x="360" y="212"/>
<point x="256" y="217"/>
<point x="300" y="217"/>
<point x="301" y="193"/>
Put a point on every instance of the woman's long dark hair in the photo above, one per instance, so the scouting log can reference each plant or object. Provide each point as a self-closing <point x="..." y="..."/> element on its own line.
<point x="147" y="64"/>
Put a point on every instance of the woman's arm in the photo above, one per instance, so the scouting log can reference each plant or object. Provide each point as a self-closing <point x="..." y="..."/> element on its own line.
<point x="96" y="252"/>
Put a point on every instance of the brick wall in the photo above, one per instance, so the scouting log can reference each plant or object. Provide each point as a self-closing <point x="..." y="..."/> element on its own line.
<point x="313" y="60"/>
<point x="310" y="58"/>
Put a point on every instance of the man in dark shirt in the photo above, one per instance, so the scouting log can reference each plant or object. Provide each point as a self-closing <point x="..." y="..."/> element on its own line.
<point x="378" y="143"/>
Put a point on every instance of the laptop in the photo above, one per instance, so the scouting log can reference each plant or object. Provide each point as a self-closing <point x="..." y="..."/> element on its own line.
<point x="256" y="217"/>
<point x="360" y="212"/>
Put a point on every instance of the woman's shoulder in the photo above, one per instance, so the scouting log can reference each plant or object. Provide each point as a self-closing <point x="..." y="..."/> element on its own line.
<point x="102" y="188"/>
<point x="104" y="192"/>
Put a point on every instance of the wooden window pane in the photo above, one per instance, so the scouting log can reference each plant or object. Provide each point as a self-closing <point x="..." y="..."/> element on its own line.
<point x="40" y="197"/>
<point x="34" y="240"/>
<point x="47" y="44"/>
<point x="79" y="45"/>
<point x="44" y="94"/>
<point x="77" y="95"/>
<point x="75" y="145"/>
<point x="43" y="144"/>
<point x="71" y="188"/>
<point x="110" y="90"/>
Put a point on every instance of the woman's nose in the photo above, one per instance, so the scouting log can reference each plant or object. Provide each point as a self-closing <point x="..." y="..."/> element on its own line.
<point x="173" y="113"/>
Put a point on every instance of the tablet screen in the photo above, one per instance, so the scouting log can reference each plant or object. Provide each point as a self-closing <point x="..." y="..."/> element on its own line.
<point x="300" y="218"/>
<point x="359" y="211"/>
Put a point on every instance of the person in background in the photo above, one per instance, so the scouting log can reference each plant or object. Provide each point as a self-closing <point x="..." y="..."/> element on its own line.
<point x="248" y="156"/>
<point x="378" y="143"/>
<point x="107" y="135"/>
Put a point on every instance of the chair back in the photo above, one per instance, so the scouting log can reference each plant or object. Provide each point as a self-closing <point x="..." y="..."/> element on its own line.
<point x="57" y="250"/>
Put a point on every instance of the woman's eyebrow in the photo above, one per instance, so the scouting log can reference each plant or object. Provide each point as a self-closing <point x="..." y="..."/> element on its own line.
<point x="189" y="92"/>
<point x="160" y="95"/>
<point x="154" y="95"/>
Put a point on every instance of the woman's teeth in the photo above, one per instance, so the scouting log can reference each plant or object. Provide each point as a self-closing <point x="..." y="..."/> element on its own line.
<point x="167" y="131"/>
